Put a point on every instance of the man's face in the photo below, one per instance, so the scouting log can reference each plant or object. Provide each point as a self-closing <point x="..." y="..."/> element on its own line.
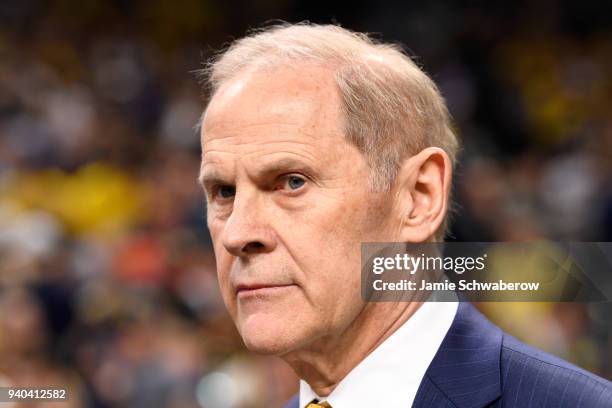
<point x="288" y="206"/>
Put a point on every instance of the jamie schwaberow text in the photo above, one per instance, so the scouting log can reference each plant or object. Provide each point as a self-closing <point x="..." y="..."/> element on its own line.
<point x="462" y="285"/>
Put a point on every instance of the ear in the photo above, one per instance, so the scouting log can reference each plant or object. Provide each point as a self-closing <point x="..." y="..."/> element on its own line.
<point x="423" y="186"/>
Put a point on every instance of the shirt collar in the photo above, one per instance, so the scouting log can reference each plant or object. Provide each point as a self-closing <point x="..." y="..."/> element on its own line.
<point x="390" y="376"/>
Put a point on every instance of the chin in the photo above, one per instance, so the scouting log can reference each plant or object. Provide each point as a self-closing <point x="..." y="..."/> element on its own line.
<point x="267" y="335"/>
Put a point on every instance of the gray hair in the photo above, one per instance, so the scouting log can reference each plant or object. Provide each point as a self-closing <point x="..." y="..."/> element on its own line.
<point x="391" y="108"/>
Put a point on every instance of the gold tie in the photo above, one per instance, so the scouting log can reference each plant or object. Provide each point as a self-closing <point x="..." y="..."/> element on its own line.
<point x="315" y="404"/>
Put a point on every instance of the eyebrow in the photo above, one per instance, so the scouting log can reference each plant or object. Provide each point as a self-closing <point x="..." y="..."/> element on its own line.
<point x="283" y="165"/>
<point x="286" y="164"/>
<point x="209" y="177"/>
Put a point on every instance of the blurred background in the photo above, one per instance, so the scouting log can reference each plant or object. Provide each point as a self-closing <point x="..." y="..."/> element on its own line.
<point x="107" y="276"/>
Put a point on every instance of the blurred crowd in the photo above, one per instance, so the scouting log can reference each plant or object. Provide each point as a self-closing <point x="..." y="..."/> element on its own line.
<point x="107" y="276"/>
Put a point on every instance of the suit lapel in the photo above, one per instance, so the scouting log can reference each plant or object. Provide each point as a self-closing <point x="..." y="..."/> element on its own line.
<point x="465" y="371"/>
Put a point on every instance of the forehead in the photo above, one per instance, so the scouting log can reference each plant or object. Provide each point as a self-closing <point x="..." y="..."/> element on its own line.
<point x="268" y="104"/>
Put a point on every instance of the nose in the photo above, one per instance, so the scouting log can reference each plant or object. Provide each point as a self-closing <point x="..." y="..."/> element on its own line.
<point x="247" y="230"/>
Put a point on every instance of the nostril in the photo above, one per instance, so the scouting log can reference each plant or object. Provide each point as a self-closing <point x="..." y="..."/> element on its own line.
<point x="254" y="246"/>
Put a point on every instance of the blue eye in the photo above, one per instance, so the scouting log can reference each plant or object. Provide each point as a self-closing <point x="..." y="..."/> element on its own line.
<point x="295" y="182"/>
<point x="226" y="191"/>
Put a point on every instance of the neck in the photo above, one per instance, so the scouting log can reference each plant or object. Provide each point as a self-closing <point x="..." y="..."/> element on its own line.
<point x="325" y="362"/>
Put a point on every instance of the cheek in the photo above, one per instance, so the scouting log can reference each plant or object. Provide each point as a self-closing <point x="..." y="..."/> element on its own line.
<point x="336" y="293"/>
<point x="215" y="225"/>
<point x="224" y="264"/>
<point x="336" y="252"/>
<point x="329" y="256"/>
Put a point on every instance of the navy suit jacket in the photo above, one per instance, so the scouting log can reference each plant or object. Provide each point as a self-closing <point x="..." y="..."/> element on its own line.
<point x="478" y="365"/>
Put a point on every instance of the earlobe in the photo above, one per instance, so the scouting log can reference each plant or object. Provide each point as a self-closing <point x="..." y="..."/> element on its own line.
<point x="423" y="193"/>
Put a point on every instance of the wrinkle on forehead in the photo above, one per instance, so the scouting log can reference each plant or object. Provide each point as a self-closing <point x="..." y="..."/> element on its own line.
<point x="307" y="100"/>
<point x="274" y="116"/>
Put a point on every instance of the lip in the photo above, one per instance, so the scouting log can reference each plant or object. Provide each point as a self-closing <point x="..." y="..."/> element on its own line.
<point x="260" y="289"/>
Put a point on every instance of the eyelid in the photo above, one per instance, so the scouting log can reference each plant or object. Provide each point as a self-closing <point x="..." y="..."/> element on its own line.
<point x="212" y="189"/>
<point x="293" y="174"/>
<point x="213" y="193"/>
<point x="284" y="178"/>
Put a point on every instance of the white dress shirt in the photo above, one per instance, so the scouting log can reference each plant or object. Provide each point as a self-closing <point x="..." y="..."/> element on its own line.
<point x="391" y="374"/>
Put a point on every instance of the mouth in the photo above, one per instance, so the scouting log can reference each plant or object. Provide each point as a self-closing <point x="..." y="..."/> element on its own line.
<point x="260" y="290"/>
